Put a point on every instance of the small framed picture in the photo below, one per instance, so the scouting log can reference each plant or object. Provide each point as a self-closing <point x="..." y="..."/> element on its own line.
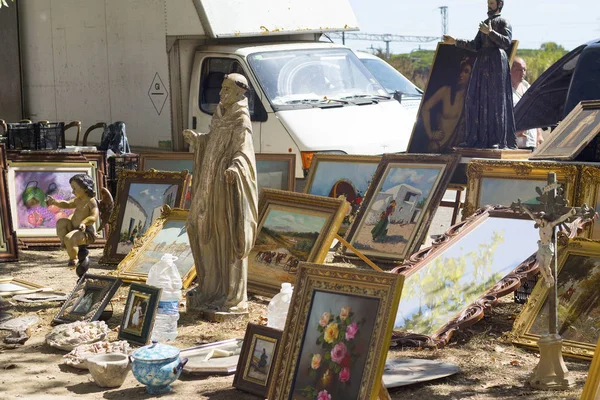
<point x="89" y="298"/>
<point x="138" y="316"/>
<point x="255" y="368"/>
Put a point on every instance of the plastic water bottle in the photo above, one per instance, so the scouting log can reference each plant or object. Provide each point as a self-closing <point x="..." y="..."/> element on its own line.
<point x="278" y="307"/>
<point x="165" y="275"/>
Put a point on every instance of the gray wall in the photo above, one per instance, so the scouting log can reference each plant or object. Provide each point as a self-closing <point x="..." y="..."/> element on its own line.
<point x="11" y="109"/>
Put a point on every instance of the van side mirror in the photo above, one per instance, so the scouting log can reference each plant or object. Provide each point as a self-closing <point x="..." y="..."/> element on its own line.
<point x="398" y="96"/>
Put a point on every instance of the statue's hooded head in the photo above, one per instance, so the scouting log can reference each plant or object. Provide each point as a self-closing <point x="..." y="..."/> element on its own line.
<point x="234" y="88"/>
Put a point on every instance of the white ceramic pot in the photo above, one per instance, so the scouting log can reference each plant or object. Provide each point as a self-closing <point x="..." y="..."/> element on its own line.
<point x="109" y="370"/>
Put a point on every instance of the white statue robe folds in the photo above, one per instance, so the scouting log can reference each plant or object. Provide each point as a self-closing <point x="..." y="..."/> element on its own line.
<point x="223" y="217"/>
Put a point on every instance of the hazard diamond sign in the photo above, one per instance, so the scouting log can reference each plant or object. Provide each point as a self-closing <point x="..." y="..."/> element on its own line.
<point x="158" y="93"/>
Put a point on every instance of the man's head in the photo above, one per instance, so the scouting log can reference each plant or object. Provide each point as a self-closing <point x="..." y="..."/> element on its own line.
<point x="233" y="89"/>
<point x="495" y="6"/>
<point x="518" y="71"/>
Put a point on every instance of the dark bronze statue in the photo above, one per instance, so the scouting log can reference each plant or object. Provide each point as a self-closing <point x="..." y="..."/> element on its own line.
<point x="489" y="119"/>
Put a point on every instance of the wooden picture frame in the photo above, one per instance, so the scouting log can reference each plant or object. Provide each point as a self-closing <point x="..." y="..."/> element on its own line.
<point x="292" y="227"/>
<point x="449" y="285"/>
<point x="139" y="314"/>
<point x="254" y="371"/>
<point x="34" y="222"/>
<point x="588" y="192"/>
<point x="140" y="195"/>
<point x="12" y="286"/>
<point x="9" y="249"/>
<point x="165" y="235"/>
<point x="91" y="295"/>
<point x="167" y="161"/>
<point x="336" y="311"/>
<point x="334" y="175"/>
<point x="198" y="364"/>
<point x="572" y="134"/>
<point x="400" y="204"/>
<point x="591" y="389"/>
<point x="578" y="272"/>
<point x="501" y="182"/>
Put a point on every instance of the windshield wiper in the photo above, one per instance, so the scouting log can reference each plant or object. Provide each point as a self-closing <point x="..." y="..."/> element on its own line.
<point x="369" y="96"/>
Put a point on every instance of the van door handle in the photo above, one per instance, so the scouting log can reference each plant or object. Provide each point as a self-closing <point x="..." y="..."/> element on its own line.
<point x="193" y="122"/>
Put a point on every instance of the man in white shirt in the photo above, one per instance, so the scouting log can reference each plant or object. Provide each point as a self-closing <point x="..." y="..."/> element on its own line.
<point x="530" y="138"/>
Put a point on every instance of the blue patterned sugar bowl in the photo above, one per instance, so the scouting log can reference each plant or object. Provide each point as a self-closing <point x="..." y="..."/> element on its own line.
<point x="157" y="366"/>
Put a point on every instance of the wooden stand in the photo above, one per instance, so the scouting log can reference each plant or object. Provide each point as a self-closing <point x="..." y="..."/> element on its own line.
<point x="495" y="154"/>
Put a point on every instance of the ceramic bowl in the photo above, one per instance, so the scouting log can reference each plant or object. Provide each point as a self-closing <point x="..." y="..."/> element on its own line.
<point x="157" y="366"/>
<point x="109" y="370"/>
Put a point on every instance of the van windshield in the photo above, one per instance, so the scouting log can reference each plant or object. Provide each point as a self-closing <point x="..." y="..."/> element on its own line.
<point x="314" y="77"/>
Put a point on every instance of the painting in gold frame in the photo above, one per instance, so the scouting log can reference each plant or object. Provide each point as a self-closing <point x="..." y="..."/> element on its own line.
<point x="9" y="250"/>
<point x="572" y="134"/>
<point x="334" y="175"/>
<point x="29" y="184"/>
<point x="588" y="192"/>
<point x="400" y="204"/>
<point x="578" y="302"/>
<point x="293" y="227"/>
<point x="12" y="286"/>
<point x="501" y="182"/>
<point x="332" y="307"/>
<point x="139" y="201"/>
<point x="591" y="389"/>
<point x="166" y="235"/>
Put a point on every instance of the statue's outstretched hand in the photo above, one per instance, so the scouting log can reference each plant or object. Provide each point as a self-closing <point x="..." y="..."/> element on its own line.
<point x="189" y="135"/>
<point x="449" y="39"/>
<point x="485" y="28"/>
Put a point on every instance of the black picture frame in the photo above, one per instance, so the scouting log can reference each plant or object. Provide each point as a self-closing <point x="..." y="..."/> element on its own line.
<point x="132" y="329"/>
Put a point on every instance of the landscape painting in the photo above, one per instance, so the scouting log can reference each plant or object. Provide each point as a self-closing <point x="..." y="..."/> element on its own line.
<point x="335" y="346"/>
<point x="396" y="209"/>
<point x="578" y="301"/>
<point x="448" y="282"/>
<point x="347" y="176"/>
<point x="274" y="174"/>
<point x="172" y="239"/>
<point x="505" y="191"/>
<point x="144" y="203"/>
<point x="286" y="236"/>
<point x="28" y="191"/>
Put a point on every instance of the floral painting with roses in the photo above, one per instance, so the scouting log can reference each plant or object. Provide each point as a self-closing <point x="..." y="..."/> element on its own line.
<point x="334" y="349"/>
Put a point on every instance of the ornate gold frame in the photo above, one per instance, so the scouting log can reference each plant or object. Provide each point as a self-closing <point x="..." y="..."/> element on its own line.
<point x="269" y="197"/>
<point x="591" y="389"/>
<point x="587" y="193"/>
<point x="126" y="178"/>
<point x="142" y="243"/>
<point x="520" y="333"/>
<point x="477" y="170"/>
<point x="324" y="278"/>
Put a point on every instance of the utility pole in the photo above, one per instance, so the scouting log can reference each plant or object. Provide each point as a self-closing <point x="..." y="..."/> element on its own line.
<point x="444" y="13"/>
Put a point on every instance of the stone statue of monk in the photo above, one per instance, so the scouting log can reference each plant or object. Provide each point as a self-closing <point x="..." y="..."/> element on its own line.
<point x="223" y="216"/>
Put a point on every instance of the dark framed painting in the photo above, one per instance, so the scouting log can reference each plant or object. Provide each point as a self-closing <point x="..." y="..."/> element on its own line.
<point x="9" y="249"/>
<point x="501" y="182"/>
<point x="138" y="316"/>
<point x="254" y="372"/>
<point x="88" y="299"/>
<point x="578" y="302"/>
<point x="29" y="184"/>
<point x="139" y="202"/>
<point x="168" y="234"/>
<point x="276" y="171"/>
<point x="292" y="227"/>
<point x="337" y="334"/>
<point x="572" y="134"/>
<point x="400" y="203"/>
<point x="449" y="285"/>
<point x="335" y="175"/>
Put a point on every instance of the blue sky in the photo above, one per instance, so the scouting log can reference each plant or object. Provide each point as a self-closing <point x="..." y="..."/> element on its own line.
<point x="568" y="23"/>
<point x="294" y="220"/>
<point x="149" y="196"/>
<point x="329" y="173"/>
<point x="420" y="178"/>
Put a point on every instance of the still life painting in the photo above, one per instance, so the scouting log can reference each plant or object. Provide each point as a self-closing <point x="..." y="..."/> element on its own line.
<point x="29" y="187"/>
<point x="448" y="281"/>
<point x="167" y="234"/>
<point x="391" y="217"/>
<point x="342" y="175"/>
<point x="578" y="302"/>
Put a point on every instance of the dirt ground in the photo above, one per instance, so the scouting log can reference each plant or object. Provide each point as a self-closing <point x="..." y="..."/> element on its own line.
<point x="490" y="369"/>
